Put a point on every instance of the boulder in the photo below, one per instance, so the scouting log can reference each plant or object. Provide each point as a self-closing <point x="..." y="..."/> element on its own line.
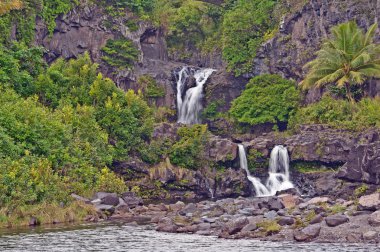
<point x="336" y="220"/>
<point x="234" y="226"/>
<point x="318" y="200"/>
<point x="317" y="219"/>
<point x="249" y="228"/>
<point x="190" y="208"/>
<point x="132" y="200"/>
<point x="289" y="200"/>
<point x="110" y="200"/>
<point x="307" y="234"/>
<point x="370" y="202"/>
<point x="283" y="221"/>
<point x="271" y="215"/>
<point x="275" y="204"/>
<point x="370" y="235"/>
<point x="101" y="195"/>
<point x="222" y="149"/>
<point x="374" y="219"/>
<point x="33" y="221"/>
<point x="80" y="198"/>
<point x="105" y="208"/>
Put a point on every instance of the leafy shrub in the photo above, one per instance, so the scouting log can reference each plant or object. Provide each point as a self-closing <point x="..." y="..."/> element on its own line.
<point x="188" y="151"/>
<point x="211" y="111"/>
<point x="266" y="99"/>
<point x="150" y="87"/>
<point x="120" y="53"/>
<point x="107" y="181"/>
<point x="340" y="114"/>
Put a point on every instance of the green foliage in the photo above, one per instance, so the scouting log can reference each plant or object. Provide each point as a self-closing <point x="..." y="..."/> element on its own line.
<point x="256" y="160"/>
<point x="19" y="65"/>
<point x="360" y="190"/>
<point x="309" y="167"/>
<point x="211" y="111"/>
<point x="244" y="27"/>
<point x="150" y="87"/>
<point x="53" y="8"/>
<point x="269" y="226"/>
<point x="340" y="114"/>
<point x="107" y="181"/>
<point x="350" y="57"/>
<point x="120" y="53"/>
<point x="188" y="151"/>
<point x="266" y="99"/>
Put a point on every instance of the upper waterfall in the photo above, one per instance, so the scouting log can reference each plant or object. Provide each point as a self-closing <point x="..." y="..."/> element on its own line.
<point x="278" y="179"/>
<point x="189" y="107"/>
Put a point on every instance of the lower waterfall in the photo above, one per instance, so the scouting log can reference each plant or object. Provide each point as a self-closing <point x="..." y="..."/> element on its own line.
<point x="278" y="179"/>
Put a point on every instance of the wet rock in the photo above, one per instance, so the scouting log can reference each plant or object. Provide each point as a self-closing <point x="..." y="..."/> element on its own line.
<point x="316" y="219"/>
<point x="110" y="200"/>
<point x="234" y="226"/>
<point x="222" y="149"/>
<point x="374" y="219"/>
<point x="308" y="233"/>
<point x="369" y="202"/>
<point x="336" y="220"/>
<point x="370" y="235"/>
<point x="283" y="221"/>
<point x="166" y="225"/>
<point x="291" y="191"/>
<point x="271" y="215"/>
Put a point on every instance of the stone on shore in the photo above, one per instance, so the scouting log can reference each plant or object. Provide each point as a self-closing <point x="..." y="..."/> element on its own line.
<point x="307" y="234"/>
<point x="370" y="202"/>
<point x="374" y="219"/>
<point x="336" y="220"/>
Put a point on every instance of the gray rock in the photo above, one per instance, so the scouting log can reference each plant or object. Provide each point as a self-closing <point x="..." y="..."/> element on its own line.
<point x="336" y="220"/>
<point x="307" y="234"/>
<point x="190" y="208"/>
<point x="353" y="237"/>
<point x="281" y="212"/>
<point x="110" y="200"/>
<point x="283" y="221"/>
<point x="316" y="219"/>
<point x="203" y="226"/>
<point x="275" y="204"/>
<point x="132" y="200"/>
<point x="234" y="226"/>
<point x="369" y="202"/>
<point x="105" y="208"/>
<point x="249" y="228"/>
<point x="271" y="215"/>
<point x="370" y="235"/>
<point x="80" y="198"/>
<point x="374" y="219"/>
<point x="101" y="195"/>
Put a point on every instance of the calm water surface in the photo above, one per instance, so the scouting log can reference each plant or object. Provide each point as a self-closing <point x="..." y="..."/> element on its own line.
<point x="120" y="237"/>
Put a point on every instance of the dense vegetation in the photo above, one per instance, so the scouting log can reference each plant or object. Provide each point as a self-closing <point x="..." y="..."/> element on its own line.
<point x="266" y="99"/>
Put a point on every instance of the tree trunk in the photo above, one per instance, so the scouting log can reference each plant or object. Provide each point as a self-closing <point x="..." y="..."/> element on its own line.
<point x="348" y="93"/>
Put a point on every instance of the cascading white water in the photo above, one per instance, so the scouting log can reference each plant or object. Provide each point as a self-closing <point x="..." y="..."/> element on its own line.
<point x="278" y="179"/>
<point x="190" y="107"/>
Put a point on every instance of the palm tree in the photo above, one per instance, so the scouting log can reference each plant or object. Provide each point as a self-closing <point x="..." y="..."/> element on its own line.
<point x="350" y="57"/>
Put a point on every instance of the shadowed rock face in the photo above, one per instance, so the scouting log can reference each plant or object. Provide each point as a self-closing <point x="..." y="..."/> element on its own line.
<point x="301" y="34"/>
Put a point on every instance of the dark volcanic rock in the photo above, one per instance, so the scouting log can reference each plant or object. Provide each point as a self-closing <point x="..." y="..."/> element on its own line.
<point x="308" y="233"/>
<point x="316" y="219"/>
<point x="363" y="164"/>
<point x="110" y="200"/>
<point x="286" y="221"/>
<point x="132" y="200"/>
<point x="336" y="220"/>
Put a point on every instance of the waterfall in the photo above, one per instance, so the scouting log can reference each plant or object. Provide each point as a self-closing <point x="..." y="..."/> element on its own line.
<point x="278" y="179"/>
<point x="190" y="106"/>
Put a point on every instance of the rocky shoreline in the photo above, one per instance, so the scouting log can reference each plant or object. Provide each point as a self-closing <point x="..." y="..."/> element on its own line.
<point x="286" y="217"/>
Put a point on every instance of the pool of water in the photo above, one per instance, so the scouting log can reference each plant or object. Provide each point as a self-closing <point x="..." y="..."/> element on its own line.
<point x="122" y="237"/>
